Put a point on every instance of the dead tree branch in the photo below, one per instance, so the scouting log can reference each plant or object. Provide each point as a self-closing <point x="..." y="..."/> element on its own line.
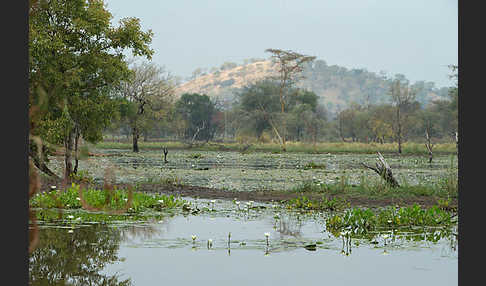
<point x="384" y="170"/>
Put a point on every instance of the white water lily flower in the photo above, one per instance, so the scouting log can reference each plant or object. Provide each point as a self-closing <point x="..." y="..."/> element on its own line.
<point x="70" y="231"/>
<point x="213" y="201"/>
<point x="70" y="217"/>
<point x="389" y="221"/>
<point x="53" y="187"/>
<point x="237" y="202"/>
<point x="78" y="198"/>
<point x="161" y="201"/>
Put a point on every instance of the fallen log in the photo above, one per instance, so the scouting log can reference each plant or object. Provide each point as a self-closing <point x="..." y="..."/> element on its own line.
<point x="384" y="170"/>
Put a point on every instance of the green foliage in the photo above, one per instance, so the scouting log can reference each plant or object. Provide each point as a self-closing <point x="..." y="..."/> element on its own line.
<point x="364" y="220"/>
<point x="304" y="203"/>
<point x="82" y="176"/>
<point x="195" y="155"/>
<point x="118" y="200"/>
<point x="312" y="165"/>
<point x="197" y="111"/>
<point x="77" y="58"/>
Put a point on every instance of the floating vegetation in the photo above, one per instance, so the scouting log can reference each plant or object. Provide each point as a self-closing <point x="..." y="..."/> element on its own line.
<point x="312" y="165"/>
<point x="195" y="156"/>
<point x="322" y="205"/>
<point x="360" y="220"/>
<point x="105" y="200"/>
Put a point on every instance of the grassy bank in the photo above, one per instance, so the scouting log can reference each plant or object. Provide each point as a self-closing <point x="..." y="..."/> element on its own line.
<point x="325" y="147"/>
<point x="75" y="197"/>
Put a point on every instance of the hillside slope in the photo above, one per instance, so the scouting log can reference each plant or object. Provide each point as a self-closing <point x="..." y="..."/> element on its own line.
<point x="336" y="86"/>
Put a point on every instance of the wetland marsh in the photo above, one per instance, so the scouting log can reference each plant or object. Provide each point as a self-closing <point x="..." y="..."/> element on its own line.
<point x="225" y="240"/>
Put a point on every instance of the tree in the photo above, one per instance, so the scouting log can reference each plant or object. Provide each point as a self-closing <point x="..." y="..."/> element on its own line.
<point x="402" y="97"/>
<point x="197" y="111"/>
<point x="454" y="96"/>
<point x="148" y="91"/>
<point x="259" y="102"/>
<point x="77" y="57"/>
<point x="290" y="66"/>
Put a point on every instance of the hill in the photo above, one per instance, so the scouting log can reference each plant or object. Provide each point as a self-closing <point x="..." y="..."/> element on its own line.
<point x="336" y="86"/>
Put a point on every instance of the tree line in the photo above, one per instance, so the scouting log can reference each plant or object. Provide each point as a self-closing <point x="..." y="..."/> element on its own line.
<point x="265" y="112"/>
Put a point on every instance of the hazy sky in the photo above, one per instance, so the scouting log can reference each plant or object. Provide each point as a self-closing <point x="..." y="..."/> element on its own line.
<point x="416" y="38"/>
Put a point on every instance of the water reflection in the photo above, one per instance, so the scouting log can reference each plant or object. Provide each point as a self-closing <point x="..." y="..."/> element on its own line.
<point x="75" y="258"/>
<point x="82" y="257"/>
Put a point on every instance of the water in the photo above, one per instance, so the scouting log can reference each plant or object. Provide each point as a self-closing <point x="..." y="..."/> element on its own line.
<point x="160" y="250"/>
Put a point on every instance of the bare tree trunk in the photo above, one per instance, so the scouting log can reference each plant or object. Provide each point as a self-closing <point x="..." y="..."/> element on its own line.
<point x="68" y="149"/>
<point x="135" y="136"/>
<point x="384" y="170"/>
<point x="429" y="145"/>
<point x="457" y="141"/>
<point x="166" y="151"/>
<point x="77" y="135"/>
<point x="399" y="131"/>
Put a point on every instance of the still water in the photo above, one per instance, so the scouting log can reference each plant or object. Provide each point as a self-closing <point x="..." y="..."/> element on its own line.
<point x="160" y="250"/>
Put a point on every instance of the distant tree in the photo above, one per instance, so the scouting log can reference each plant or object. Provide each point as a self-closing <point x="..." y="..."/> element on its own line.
<point x="148" y="92"/>
<point x="402" y="97"/>
<point x="228" y="66"/>
<point x="290" y="66"/>
<point x="197" y="111"/>
<point x="454" y="97"/>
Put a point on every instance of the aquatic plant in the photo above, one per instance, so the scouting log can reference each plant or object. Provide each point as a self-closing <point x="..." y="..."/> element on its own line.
<point x="195" y="156"/>
<point x="324" y="203"/>
<point x="363" y="220"/>
<point x="82" y="176"/>
<point x="104" y="199"/>
<point x="312" y="165"/>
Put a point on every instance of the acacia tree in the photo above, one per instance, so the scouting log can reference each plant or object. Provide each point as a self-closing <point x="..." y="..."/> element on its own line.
<point x="290" y="66"/>
<point x="76" y="57"/>
<point x="148" y="92"/>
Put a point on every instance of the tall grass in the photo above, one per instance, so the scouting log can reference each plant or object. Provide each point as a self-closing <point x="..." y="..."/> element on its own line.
<point x="323" y="147"/>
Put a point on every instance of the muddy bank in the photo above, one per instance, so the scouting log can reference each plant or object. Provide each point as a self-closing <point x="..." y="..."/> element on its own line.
<point x="258" y="196"/>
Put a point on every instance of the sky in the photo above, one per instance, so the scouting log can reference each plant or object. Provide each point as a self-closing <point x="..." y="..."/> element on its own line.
<point x="416" y="38"/>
